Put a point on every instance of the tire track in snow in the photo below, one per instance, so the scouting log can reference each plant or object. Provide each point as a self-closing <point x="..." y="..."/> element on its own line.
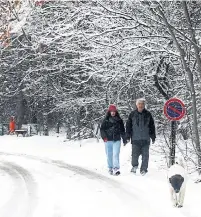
<point x="131" y="194"/>
<point x="24" y="198"/>
<point x="124" y="194"/>
<point x="78" y="170"/>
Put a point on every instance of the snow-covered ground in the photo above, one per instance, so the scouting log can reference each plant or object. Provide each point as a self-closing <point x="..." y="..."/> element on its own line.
<point x="47" y="177"/>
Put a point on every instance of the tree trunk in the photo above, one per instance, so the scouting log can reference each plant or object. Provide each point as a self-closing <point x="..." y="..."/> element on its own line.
<point x="192" y="34"/>
<point x="79" y="127"/>
<point x="58" y="127"/>
<point x="45" y="125"/>
<point x="20" y="110"/>
<point x="68" y="130"/>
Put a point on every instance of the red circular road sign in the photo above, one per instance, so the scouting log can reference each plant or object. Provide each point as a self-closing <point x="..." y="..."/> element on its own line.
<point x="174" y="109"/>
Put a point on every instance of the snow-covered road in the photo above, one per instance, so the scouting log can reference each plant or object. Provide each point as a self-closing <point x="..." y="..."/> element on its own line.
<point x="44" y="177"/>
<point x="60" y="189"/>
<point x="23" y="197"/>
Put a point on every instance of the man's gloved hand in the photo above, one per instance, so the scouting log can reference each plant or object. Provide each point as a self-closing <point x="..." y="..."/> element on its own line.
<point x="153" y="141"/>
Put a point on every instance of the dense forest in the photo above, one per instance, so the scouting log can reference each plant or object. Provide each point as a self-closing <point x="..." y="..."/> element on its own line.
<point x="63" y="62"/>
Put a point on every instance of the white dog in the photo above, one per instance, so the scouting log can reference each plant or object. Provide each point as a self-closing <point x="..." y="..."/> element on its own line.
<point x="177" y="182"/>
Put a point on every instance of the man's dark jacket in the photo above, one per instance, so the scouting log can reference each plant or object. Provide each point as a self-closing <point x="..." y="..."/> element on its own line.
<point x="140" y="126"/>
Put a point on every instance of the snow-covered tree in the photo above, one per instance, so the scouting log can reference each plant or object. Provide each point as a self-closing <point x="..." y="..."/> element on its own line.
<point x="68" y="60"/>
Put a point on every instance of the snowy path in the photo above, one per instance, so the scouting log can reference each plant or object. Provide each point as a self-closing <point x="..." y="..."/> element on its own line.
<point x="23" y="198"/>
<point x="115" y="198"/>
<point x="57" y="184"/>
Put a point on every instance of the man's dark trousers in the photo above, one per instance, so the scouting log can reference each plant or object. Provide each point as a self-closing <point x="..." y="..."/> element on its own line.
<point x="140" y="147"/>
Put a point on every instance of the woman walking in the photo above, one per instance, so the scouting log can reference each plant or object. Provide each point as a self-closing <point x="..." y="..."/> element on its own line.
<point x="112" y="130"/>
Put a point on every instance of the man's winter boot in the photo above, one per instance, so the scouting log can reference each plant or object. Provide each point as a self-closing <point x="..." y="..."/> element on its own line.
<point x="143" y="173"/>
<point x="134" y="170"/>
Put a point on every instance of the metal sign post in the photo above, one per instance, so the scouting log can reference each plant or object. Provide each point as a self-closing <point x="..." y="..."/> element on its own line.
<point x="174" y="110"/>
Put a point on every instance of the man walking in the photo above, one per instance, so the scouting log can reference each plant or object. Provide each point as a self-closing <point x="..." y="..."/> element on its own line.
<point x="140" y="128"/>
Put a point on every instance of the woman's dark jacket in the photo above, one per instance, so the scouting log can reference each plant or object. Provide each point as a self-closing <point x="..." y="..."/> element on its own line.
<point x="112" y="129"/>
